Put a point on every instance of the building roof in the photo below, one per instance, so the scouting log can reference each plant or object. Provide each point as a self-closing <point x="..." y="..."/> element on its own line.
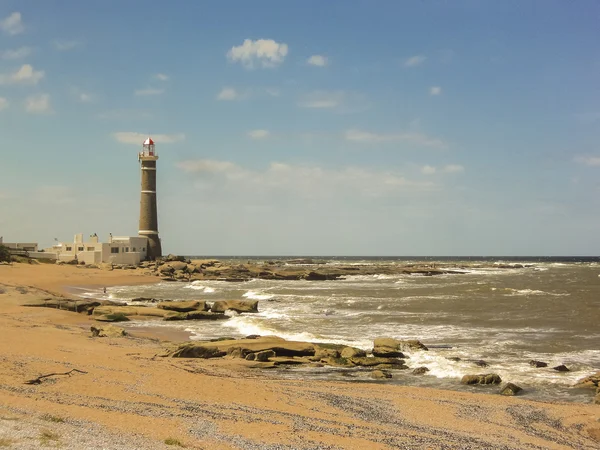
<point x="149" y="141"/>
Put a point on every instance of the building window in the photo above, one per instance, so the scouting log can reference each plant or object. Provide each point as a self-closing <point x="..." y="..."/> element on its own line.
<point x="114" y="250"/>
<point x="91" y="249"/>
<point x="144" y="249"/>
<point x="133" y="249"/>
<point x="79" y="249"/>
<point x="68" y="249"/>
<point x="126" y="249"/>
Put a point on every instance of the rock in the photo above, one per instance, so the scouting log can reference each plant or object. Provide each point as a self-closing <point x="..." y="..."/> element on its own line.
<point x="376" y="361"/>
<point x="265" y="355"/>
<point x="129" y="311"/>
<point x="117" y="317"/>
<point x="107" y="331"/>
<point x="324" y="352"/>
<point x="80" y="306"/>
<point x="176" y="265"/>
<point x="351" y="352"/>
<point x="144" y="299"/>
<point x="479" y="362"/>
<point x="196" y="315"/>
<point x="420" y="371"/>
<point x="534" y="363"/>
<point x="191" y="350"/>
<point x="193" y="305"/>
<point x="490" y="378"/>
<point x="453" y="358"/>
<point x="242" y="347"/>
<point x="511" y="389"/>
<point x="320" y="276"/>
<point x="239" y="306"/>
<point x="561" y="368"/>
<point x="250" y="357"/>
<point x="380" y="374"/>
<point x="388" y="347"/>
<point x="591" y="381"/>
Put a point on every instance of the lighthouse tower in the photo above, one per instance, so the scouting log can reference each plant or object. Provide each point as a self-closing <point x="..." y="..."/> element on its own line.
<point x="148" y="210"/>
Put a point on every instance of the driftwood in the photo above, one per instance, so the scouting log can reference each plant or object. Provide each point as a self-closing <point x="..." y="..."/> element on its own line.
<point x="39" y="379"/>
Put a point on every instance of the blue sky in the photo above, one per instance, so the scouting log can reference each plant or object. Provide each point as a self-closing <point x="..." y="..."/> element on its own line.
<point x="308" y="127"/>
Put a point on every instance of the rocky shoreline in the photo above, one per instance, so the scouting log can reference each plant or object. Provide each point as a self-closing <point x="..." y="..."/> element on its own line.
<point x="179" y="268"/>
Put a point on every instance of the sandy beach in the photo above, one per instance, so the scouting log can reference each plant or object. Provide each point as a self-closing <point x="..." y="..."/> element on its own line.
<point x="128" y="397"/>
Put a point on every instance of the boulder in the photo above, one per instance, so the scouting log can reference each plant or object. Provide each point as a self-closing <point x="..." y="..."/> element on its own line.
<point x="107" y="331"/>
<point x="511" y="389"/>
<point x="80" y="306"/>
<point x="388" y="347"/>
<point x="420" y="371"/>
<point x="479" y="362"/>
<point x="192" y="350"/>
<point x="380" y="374"/>
<point x="352" y="352"/>
<point x="193" y="305"/>
<point x="176" y="265"/>
<point x="242" y="347"/>
<point x="561" y="368"/>
<point x="534" y="363"/>
<point x="117" y="317"/>
<point x="376" y="361"/>
<point x="490" y="378"/>
<point x="196" y="315"/>
<point x="329" y="351"/>
<point x="264" y="355"/>
<point x="591" y="381"/>
<point x="239" y="306"/>
<point x="129" y="311"/>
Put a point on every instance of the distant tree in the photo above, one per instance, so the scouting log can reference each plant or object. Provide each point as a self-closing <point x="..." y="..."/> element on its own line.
<point x="4" y="253"/>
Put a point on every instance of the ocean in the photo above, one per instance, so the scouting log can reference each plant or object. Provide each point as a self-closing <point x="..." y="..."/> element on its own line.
<point x="548" y="309"/>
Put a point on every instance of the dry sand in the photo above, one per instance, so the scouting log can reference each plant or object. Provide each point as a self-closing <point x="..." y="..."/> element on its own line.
<point x="130" y="398"/>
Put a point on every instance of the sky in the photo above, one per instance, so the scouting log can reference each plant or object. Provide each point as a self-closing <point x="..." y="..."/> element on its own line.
<point x="463" y="127"/>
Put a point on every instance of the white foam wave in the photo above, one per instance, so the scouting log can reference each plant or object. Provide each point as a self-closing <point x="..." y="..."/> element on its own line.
<point x="257" y="295"/>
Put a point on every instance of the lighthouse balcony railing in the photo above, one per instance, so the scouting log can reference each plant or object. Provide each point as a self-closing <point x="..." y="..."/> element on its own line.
<point x="147" y="154"/>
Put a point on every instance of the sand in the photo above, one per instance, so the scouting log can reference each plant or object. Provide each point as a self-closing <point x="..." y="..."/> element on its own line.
<point x="130" y="398"/>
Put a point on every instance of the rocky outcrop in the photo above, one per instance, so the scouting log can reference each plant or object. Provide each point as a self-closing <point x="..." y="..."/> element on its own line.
<point x="490" y="378"/>
<point x="511" y="389"/>
<point x="239" y="306"/>
<point x="187" y="306"/>
<point x="107" y="331"/>
<point x="561" y="368"/>
<point x="196" y="315"/>
<point x="420" y="371"/>
<point x="129" y="311"/>
<point x="389" y="347"/>
<point x="242" y="347"/>
<point x="79" y="306"/>
<point x="380" y="374"/>
<point x="591" y="381"/>
<point x="538" y="364"/>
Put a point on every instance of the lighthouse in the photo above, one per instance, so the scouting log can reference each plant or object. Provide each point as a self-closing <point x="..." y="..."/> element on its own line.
<point x="148" y="211"/>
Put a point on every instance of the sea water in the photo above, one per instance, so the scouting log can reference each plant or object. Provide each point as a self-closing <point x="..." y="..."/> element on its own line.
<point x="547" y="310"/>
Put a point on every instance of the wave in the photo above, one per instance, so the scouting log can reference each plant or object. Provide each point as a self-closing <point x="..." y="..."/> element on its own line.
<point x="257" y="295"/>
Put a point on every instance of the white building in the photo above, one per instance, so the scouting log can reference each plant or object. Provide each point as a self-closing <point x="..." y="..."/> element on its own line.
<point x="118" y="250"/>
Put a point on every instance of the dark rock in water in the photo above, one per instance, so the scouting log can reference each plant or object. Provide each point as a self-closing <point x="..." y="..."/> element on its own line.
<point x="145" y="299"/>
<point x="420" y="371"/>
<point x="196" y="315"/>
<point x="389" y="348"/>
<point x="561" y="368"/>
<point x="489" y="378"/>
<point x="185" y="306"/>
<point x="534" y="363"/>
<point x="239" y="306"/>
<point x="511" y="389"/>
<point x="479" y="362"/>
<point x="380" y="374"/>
<point x="453" y="358"/>
<point x="252" y="336"/>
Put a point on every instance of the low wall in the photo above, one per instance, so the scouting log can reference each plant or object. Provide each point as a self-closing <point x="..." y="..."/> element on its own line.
<point x="43" y="255"/>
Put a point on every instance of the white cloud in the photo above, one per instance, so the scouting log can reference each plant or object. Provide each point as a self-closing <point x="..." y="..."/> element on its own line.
<point x="428" y="170"/>
<point x="265" y="53"/>
<point x="306" y="181"/>
<point x="63" y="45"/>
<point x="228" y="94"/>
<point x="412" y="137"/>
<point x="38" y="104"/>
<point x="81" y="96"/>
<point x="19" y="53"/>
<point x="148" y="91"/>
<point x="592" y="161"/>
<point x="161" y="77"/>
<point x="415" y="61"/>
<point x="259" y="134"/>
<point x="25" y="75"/>
<point x="3" y="103"/>
<point x="317" y="60"/>
<point x="453" y="168"/>
<point x="450" y="168"/>
<point x="435" y="90"/>
<point x="12" y="24"/>
<point x="129" y="137"/>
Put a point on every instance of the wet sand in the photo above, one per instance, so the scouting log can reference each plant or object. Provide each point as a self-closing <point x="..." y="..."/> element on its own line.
<point x="131" y="398"/>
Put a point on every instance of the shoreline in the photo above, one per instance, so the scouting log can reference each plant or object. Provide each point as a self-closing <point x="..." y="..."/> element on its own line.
<point x="130" y="393"/>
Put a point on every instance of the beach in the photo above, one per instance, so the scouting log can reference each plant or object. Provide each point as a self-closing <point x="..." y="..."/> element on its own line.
<point x="127" y="396"/>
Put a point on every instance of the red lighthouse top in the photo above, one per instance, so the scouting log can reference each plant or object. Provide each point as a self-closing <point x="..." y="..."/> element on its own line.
<point x="148" y="150"/>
